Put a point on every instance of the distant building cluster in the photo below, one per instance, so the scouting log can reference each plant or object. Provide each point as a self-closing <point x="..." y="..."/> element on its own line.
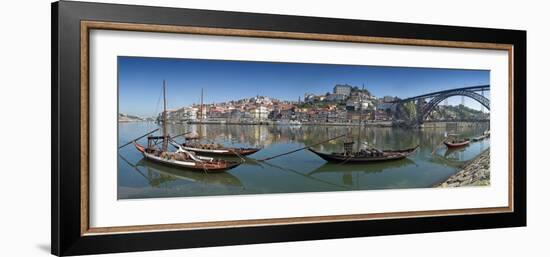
<point x="345" y="104"/>
<point x="256" y="108"/>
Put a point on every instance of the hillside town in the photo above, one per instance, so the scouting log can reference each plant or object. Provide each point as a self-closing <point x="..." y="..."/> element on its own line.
<point x="345" y="105"/>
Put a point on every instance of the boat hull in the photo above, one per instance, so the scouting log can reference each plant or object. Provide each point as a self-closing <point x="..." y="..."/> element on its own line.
<point x="222" y="152"/>
<point x="387" y="156"/>
<point x="205" y="166"/>
<point x="456" y="145"/>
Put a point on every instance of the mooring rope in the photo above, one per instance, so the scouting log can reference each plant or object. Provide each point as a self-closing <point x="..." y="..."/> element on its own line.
<point x="300" y="149"/>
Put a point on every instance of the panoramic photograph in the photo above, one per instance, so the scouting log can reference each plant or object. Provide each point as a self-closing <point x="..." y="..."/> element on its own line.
<point x="197" y="127"/>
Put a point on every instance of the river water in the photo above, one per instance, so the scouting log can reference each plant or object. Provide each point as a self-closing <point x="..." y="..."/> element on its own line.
<point x="302" y="171"/>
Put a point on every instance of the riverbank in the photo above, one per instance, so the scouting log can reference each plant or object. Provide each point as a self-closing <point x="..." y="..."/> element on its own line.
<point x="452" y="124"/>
<point x="305" y="123"/>
<point x="474" y="173"/>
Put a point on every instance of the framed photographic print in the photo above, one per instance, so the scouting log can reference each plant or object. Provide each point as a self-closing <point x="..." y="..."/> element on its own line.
<point x="177" y="128"/>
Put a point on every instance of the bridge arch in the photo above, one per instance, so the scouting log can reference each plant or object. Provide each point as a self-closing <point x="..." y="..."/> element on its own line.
<point x="426" y="109"/>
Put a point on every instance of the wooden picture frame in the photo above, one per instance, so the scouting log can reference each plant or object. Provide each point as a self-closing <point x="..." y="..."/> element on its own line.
<point x="71" y="24"/>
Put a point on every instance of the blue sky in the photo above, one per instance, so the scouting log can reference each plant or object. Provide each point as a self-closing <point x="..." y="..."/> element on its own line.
<point x="140" y="81"/>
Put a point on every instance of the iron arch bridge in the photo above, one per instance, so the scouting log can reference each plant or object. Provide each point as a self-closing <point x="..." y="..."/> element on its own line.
<point x="424" y="108"/>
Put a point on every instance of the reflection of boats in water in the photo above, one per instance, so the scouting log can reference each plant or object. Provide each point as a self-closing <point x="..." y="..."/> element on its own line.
<point x="157" y="174"/>
<point x="365" y="155"/>
<point x="451" y="153"/>
<point x="451" y="157"/>
<point x="352" y="176"/>
<point x="223" y="178"/>
<point x="371" y="168"/>
<point x="452" y="162"/>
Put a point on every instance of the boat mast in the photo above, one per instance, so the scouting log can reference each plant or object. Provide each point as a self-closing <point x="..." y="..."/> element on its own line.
<point x="164" y="126"/>
<point x="202" y="96"/>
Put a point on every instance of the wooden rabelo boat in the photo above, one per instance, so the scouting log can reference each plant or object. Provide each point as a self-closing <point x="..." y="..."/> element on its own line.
<point x="456" y="143"/>
<point x="365" y="155"/>
<point x="181" y="158"/>
<point x="453" y="141"/>
<point x="192" y="143"/>
<point x="217" y="149"/>
<point x="362" y="155"/>
<point x="185" y="159"/>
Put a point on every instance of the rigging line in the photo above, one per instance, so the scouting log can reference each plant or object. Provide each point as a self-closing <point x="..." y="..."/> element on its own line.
<point x="255" y="161"/>
<point x="346" y="160"/>
<point x="205" y="169"/>
<point x="135" y="168"/>
<point x="138" y="138"/>
<point x="437" y="146"/>
<point x="302" y="148"/>
<point x="238" y="155"/>
<point x="306" y="175"/>
<point x="158" y="104"/>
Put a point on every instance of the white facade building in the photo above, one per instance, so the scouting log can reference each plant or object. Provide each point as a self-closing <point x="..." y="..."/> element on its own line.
<point x="342" y="90"/>
<point x="259" y="113"/>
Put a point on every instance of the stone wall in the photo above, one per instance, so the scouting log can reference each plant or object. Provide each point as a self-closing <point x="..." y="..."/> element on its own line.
<point x="475" y="173"/>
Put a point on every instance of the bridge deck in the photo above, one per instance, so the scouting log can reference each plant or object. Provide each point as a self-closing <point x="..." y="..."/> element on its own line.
<point x="432" y="94"/>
